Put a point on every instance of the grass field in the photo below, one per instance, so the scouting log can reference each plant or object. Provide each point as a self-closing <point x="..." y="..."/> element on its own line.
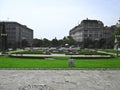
<point x="58" y="62"/>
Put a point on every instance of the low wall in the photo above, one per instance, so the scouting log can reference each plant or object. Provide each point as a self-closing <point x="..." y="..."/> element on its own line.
<point x="38" y="56"/>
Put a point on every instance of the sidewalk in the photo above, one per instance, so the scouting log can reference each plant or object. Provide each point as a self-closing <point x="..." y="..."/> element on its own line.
<point x="59" y="79"/>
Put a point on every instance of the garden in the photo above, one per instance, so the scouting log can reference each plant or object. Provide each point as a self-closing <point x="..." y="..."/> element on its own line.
<point x="51" y="53"/>
<point x="48" y="61"/>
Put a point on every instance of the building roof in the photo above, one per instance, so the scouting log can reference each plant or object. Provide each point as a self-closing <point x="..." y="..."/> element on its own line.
<point x="11" y="22"/>
<point x="91" y="21"/>
<point x="86" y="22"/>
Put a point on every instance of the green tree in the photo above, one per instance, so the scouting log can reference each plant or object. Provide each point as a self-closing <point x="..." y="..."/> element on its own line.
<point x="55" y="42"/>
<point x="102" y="43"/>
<point x="69" y="40"/>
<point x="46" y="43"/>
<point x="88" y="43"/>
<point x="24" y="43"/>
<point x="37" y="43"/>
<point x="117" y="31"/>
<point x="60" y="42"/>
<point x="110" y="42"/>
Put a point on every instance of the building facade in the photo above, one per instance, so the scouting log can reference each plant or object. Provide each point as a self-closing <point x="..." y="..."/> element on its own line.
<point x="16" y="33"/>
<point x="93" y="29"/>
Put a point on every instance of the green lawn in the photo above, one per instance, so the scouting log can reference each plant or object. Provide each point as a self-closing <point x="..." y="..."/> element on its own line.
<point x="58" y="62"/>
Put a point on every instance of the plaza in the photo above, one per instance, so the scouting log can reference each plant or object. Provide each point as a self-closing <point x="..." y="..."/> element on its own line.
<point x="59" y="45"/>
<point x="59" y="79"/>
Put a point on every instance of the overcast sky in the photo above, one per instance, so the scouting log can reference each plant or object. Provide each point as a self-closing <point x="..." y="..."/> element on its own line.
<point x="54" y="18"/>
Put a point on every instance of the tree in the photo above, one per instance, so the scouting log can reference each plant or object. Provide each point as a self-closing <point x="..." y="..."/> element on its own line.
<point x="110" y="42"/>
<point x="117" y="31"/>
<point x="69" y="40"/>
<point x="24" y="43"/>
<point x="37" y="43"/>
<point x="60" y="42"/>
<point x="102" y="43"/>
<point x="46" y="43"/>
<point x="88" y="43"/>
<point x="55" y="42"/>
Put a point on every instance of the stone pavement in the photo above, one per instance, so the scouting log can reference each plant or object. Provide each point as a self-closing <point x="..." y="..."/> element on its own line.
<point x="59" y="79"/>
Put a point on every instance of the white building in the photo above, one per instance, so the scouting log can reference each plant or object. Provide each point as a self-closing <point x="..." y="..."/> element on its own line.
<point x="93" y="29"/>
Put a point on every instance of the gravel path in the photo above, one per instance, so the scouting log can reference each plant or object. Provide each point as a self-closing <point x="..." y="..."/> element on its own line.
<point x="59" y="79"/>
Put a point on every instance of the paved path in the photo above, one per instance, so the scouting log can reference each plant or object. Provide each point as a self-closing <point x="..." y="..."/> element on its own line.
<point x="59" y="79"/>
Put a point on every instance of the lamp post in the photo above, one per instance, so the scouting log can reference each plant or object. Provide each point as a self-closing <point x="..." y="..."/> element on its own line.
<point x="4" y="39"/>
<point x="116" y="46"/>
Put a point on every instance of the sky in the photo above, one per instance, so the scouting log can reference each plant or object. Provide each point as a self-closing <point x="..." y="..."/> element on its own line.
<point x="55" y="18"/>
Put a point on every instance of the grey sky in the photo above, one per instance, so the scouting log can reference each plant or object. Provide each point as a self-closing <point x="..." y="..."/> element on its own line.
<point x="54" y="18"/>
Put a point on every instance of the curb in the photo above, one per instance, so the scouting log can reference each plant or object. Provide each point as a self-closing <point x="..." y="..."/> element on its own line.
<point x="59" y="68"/>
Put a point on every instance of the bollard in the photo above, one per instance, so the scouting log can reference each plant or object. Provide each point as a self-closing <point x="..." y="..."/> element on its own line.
<point x="71" y="62"/>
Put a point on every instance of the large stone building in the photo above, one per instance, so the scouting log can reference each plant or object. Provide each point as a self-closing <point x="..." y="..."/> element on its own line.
<point x="93" y="29"/>
<point x="16" y="33"/>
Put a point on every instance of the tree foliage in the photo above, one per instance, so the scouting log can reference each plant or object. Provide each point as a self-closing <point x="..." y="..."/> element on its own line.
<point x="54" y="42"/>
<point x="37" y="42"/>
<point x="69" y="41"/>
<point x="24" y="43"/>
<point x="117" y="31"/>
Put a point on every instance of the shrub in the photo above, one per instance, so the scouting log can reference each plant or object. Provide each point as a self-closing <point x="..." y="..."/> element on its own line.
<point x="29" y="52"/>
<point x="31" y="57"/>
